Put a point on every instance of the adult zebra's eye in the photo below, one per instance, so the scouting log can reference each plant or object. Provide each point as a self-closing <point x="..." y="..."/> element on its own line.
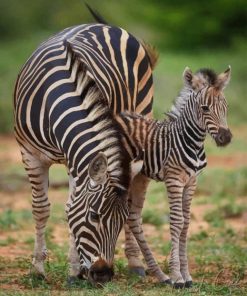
<point x="205" y="108"/>
<point x="94" y="216"/>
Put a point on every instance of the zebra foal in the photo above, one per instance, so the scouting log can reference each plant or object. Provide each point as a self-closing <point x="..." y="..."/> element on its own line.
<point x="172" y="151"/>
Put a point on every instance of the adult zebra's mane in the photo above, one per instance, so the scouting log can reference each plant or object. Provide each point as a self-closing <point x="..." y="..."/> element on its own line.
<point x="101" y="117"/>
<point x="204" y="77"/>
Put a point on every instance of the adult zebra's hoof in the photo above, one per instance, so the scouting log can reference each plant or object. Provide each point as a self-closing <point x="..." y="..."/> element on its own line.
<point x="167" y="282"/>
<point x="178" y="285"/>
<point x="188" y="284"/>
<point x="140" y="271"/>
<point x="74" y="280"/>
<point x="71" y="280"/>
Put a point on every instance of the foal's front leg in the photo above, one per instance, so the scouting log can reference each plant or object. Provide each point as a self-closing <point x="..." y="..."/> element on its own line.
<point x="187" y="197"/>
<point x="175" y="191"/>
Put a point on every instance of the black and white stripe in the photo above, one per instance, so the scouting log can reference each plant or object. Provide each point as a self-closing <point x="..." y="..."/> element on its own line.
<point x="64" y="99"/>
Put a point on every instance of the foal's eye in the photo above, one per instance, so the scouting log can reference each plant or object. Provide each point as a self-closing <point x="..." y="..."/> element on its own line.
<point x="205" y="108"/>
<point x="94" y="216"/>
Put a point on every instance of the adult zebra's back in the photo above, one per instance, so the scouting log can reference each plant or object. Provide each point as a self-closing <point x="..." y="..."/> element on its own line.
<point x="62" y="115"/>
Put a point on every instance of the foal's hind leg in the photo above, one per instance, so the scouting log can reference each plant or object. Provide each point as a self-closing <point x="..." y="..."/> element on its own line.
<point x="138" y="190"/>
<point x="38" y="176"/>
<point x="132" y="250"/>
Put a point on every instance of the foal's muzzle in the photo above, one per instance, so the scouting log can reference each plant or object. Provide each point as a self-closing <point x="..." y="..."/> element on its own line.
<point x="223" y="137"/>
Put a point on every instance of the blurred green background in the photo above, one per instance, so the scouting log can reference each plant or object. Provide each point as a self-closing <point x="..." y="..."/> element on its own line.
<point x="190" y="33"/>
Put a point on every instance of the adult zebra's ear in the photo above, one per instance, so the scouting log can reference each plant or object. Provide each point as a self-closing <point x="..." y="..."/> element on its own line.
<point x="223" y="79"/>
<point x="97" y="169"/>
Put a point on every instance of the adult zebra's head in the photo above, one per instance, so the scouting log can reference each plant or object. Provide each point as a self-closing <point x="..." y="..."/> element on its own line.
<point x="96" y="218"/>
<point x="208" y="88"/>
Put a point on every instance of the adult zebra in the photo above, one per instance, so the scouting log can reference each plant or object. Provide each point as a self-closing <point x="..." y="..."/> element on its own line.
<point x="173" y="151"/>
<point x="62" y="100"/>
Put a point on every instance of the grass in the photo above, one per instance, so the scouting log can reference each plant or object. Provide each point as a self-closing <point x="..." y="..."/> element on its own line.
<point x="12" y="220"/>
<point x="234" y="180"/>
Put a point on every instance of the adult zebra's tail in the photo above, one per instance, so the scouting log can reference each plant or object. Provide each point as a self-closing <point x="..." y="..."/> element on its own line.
<point x="96" y="15"/>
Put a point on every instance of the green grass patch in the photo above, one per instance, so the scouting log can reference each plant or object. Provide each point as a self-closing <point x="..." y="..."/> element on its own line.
<point x="220" y="182"/>
<point x="8" y="241"/>
<point x="12" y="220"/>
<point x="150" y="216"/>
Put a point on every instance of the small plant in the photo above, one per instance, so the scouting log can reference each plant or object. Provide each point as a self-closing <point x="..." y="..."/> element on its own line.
<point x="120" y="266"/>
<point x="152" y="217"/>
<point x="199" y="236"/>
<point x="232" y="210"/>
<point x="214" y="217"/>
<point x="8" y="241"/>
<point x="8" y="220"/>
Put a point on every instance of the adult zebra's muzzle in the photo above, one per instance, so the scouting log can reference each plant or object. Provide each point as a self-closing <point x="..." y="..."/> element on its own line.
<point x="223" y="137"/>
<point x="100" y="272"/>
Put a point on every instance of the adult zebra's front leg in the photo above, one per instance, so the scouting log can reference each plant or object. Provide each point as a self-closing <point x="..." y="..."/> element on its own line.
<point x="38" y="176"/>
<point x="188" y="193"/>
<point x="73" y="256"/>
<point x="175" y="188"/>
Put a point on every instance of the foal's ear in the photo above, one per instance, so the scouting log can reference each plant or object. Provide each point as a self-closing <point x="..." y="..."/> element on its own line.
<point x="188" y="77"/>
<point x="97" y="168"/>
<point x="223" y="79"/>
<point x="194" y="81"/>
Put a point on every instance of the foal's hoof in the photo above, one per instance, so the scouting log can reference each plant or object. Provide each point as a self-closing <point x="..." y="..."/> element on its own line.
<point x="140" y="271"/>
<point x="178" y="285"/>
<point x="188" y="284"/>
<point x="167" y="282"/>
<point x="40" y="276"/>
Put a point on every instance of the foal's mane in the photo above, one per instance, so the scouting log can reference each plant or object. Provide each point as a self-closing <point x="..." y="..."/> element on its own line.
<point x="206" y="77"/>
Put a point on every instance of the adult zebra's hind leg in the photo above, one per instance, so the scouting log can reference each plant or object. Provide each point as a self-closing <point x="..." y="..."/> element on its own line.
<point x="38" y="176"/>
<point x="186" y="202"/>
